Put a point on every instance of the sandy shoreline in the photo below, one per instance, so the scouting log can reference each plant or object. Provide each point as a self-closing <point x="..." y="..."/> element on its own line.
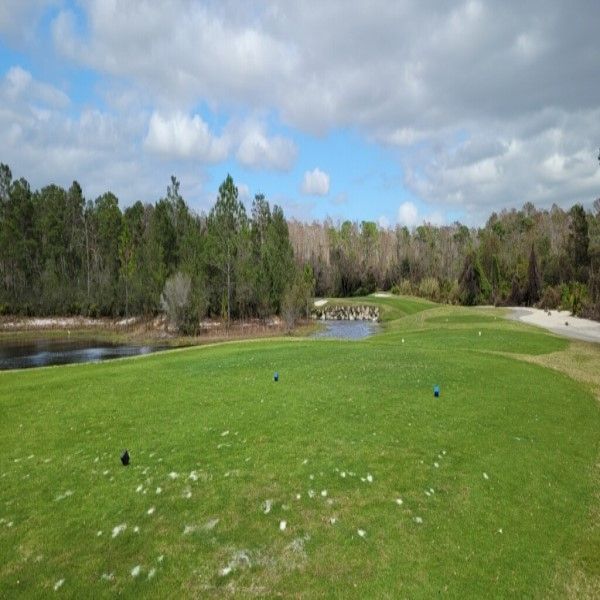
<point x="556" y="322"/>
<point x="33" y="323"/>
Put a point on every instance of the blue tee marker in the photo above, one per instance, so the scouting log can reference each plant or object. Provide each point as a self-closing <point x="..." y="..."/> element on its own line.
<point x="436" y="391"/>
<point x="276" y="376"/>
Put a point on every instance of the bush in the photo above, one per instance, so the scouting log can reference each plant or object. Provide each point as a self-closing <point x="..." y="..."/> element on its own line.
<point x="75" y="308"/>
<point x="93" y="311"/>
<point x="176" y="301"/>
<point x="591" y="310"/>
<point x="404" y="288"/>
<point x="450" y="292"/>
<point x="551" y="297"/>
<point x="297" y="297"/>
<point x="429" y="288"/>
<point x="574" y="297"/>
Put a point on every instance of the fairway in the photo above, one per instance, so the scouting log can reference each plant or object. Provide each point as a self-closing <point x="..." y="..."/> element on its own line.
<point x="346" y="478"/>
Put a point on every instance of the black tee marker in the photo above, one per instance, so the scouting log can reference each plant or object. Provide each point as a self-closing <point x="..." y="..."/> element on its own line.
<point x="125" y="458"/>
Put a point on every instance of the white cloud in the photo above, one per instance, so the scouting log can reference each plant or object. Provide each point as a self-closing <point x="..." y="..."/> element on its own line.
<point x="20" y="86"/>
<point x="99" y="149"/>
<point x="384" y="222"/>
<point x="471" y="135"/>
<point x="19" y="18"/>
<point x="243" y="192"/>
<point x="550" y="161"/>
<point x="189" y="137"/>
<point x="408" y="214"/>
<point x="181" y="136"/>
<point x="420" y="95"/>
<point x="217" y="52"/>
<point x="259" y="151"/>
<point x="315" y="183"/>
<point x="435" y="218"/>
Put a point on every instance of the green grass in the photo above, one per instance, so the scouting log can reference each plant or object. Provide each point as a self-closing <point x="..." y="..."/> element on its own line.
<point x="467" y="319"/>
<point x="358" y="408"/>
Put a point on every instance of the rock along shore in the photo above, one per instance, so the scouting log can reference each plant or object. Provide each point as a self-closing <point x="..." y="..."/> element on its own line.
<point x="346" y="313"/>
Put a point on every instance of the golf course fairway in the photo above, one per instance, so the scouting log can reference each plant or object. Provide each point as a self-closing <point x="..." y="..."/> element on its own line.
<point x="345" y="478"/>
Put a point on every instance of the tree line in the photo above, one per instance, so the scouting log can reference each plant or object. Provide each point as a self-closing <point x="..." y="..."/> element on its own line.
<point x="62" y="254"/>
<point x="527" y="256"/>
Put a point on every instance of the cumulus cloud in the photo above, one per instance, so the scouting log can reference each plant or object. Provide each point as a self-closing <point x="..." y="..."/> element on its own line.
<point x="315" y="183"/>
<point x="181" y="136"/>
<point x="425" y="94"/>
<point x="19" y="86"/>
<point x="189" y="137"/>
<point x="519" y="123"/>
<point x="259" y="151"/>
<point x="553" y="160"/>
<point x="408" y="214"/>
<point x="220" y="52"/>
<point x="100" y="149"/>
<point x="383" y="222"/>
<point x="19" y="18"/>
<point x="243" y="192"/>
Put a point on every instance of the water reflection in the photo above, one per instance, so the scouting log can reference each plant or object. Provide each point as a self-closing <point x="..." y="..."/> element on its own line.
<point x="41" y="353"/>
<point x="348" y="330"/>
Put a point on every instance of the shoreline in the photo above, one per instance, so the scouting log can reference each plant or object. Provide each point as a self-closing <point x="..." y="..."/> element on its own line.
<point x="144" y="330"/>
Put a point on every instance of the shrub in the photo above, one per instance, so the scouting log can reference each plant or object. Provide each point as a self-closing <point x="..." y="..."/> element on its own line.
<point x="474" y="285"/>
<point x="450" y="292"/>
<point x="574" y="297"/>
<point x="590" y="310"/>
<point x="176" y="301"/>
<point x="93" y="311"/>
<point x="403" y="288"/>
<point x="429" y="288"/>
<point x="551" y="297"/>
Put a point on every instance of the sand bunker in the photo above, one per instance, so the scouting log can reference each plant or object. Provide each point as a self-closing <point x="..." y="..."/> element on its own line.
<point x="580" y="329"/>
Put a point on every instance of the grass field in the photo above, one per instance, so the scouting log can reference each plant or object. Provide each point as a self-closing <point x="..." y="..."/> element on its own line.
<point x="346" y="478"/>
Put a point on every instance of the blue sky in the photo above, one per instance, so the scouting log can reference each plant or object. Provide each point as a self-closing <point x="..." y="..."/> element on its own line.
<point x="398" y="112"/>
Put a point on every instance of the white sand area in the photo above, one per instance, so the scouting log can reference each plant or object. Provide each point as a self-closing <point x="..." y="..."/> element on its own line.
<point x="556" y="322"/>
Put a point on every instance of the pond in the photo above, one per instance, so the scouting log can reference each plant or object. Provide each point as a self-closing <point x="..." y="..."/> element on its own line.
<point x="348" y="330"/>
<point x="20" y="354"/>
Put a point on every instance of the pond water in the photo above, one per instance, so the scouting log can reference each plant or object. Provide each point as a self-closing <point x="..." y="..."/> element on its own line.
<point x="40" y="353"/>
<point x="348" y="330"/>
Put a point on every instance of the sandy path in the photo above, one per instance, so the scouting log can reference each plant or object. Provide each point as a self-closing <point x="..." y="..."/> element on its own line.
<point x="580" y="329"/>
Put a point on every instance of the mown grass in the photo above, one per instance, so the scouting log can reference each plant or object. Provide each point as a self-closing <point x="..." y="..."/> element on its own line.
<point x="510" y="450"/>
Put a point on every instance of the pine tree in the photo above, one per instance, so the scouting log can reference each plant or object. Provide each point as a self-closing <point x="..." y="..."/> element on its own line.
<point x="474" y="286"/>
<point x="534" y="281"/>
<point x="579" y="242"/>
<point x="226" y="221"/>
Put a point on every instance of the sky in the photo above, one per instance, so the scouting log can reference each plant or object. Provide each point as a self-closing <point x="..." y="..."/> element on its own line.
<point x="398" y="112"/>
